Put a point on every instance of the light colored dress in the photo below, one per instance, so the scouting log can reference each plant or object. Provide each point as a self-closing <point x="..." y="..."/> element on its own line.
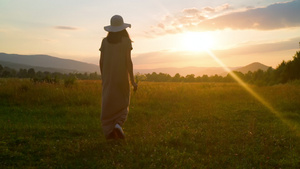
<point x="115" y="83"/>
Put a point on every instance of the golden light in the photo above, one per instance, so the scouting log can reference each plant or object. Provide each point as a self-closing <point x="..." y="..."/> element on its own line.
<point x="253" y="93"/>
<point x="197" y="41"/>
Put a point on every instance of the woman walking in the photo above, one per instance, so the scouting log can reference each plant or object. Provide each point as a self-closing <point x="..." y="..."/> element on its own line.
<point x="116" y="72"/>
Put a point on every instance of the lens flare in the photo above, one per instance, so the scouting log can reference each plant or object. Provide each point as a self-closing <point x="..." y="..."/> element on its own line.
<point x="197" y="41"/>
<point x="252" y="92"/>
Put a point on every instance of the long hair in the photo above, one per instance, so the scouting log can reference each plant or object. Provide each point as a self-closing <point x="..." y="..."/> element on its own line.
<point x="116" y="37"/>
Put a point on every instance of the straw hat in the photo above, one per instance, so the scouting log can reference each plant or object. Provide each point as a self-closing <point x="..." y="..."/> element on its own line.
<point x="116" y="24"/>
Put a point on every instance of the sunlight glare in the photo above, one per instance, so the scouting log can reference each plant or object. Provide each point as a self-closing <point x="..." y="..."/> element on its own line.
<point x="252" y="92"/>
<point x="197" y="41"/>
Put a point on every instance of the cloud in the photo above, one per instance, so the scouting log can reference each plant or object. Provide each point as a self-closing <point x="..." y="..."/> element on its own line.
<point x="223" y="7"/>
<point x="217" y="9"/>
<point x="290" y="44"/>
<point x="209" y="9"/>
<point x="187" y="18"/>
<point x="245" y="53"/>
<point x="160" y="25"/>
<point x="190" y="12"/>
<point x="65" y="28"/>
<point x="275" y="16"/>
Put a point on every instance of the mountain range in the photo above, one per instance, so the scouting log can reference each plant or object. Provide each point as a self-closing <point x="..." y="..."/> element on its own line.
<point x="199" y="71"/>
<point x="54" y="64"/>
<point x="46" y="63"/>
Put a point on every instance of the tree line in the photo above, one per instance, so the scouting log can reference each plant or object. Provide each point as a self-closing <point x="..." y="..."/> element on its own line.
<point x="50" y="77"/>
<point x="286" y="71"/>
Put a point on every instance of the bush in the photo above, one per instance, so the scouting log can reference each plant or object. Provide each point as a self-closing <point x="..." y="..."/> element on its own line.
<point x="45" y="79"/>
<point x="70" y="81"/>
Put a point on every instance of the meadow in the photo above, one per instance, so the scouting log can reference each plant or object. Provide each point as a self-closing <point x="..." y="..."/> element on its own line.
<point x="170" y="125"/>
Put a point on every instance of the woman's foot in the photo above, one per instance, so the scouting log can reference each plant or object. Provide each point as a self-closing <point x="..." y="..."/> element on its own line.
<point x="119" y="131"/>
<point x="113" y="135"/>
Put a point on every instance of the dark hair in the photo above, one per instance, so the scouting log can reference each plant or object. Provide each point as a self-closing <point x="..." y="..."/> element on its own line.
<point x="116" y="37"/>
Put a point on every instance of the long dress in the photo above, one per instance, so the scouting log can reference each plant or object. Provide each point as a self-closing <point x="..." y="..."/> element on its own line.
<point x="115" y="83"/>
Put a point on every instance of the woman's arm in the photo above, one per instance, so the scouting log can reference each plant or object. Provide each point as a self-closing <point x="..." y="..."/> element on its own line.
<point x="130" y="70"/>
<point x="101" y="62"/>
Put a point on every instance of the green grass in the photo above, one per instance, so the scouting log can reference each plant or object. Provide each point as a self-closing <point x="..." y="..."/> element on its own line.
<point x="170" y="125"/>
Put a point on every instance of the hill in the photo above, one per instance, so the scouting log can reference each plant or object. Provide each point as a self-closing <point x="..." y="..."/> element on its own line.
<point x="36" y="68"/>
<point x="252" y="67"/>
<point x="54" y="64"/>
<point x="200" y="71"/>
<point x="46" y="63"/>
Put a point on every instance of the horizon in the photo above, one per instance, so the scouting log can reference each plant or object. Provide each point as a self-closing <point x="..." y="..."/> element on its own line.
<point x="54" y="64"/>
<point x="218" y="66"/>
<point x="164" y="35"/>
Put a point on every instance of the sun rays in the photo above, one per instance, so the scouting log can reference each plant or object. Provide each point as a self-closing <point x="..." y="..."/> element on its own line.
<point x="252" y="92"/>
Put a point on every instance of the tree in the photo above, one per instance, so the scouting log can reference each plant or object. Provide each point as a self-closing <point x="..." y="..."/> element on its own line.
<point x="31" y="73"/>
<point x="205" y="78"/>
<point x="268" y="77"/>
<point x="22" y="73"/>
<point x="295" y="67"/>
<point x="249" y="77"/>
<point x="279" y="71"/>
<point x="6" y="73"/>
<point x="164" y="77"/>
<point x="94" y="76"/>
<point x="176" y="78"/>
<point x="1" y="69"/>
<point x="140" y="77"/>
<point x="216" y="78"/>
<point x="190" y="78"/>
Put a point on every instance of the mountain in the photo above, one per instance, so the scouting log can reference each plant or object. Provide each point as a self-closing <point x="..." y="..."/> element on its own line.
<point x="46" y="63"/>
<point x="252" y="67"/>
<point x="54" y="64"/>
<point x="200" y="71"/>
<point x="17" y="66"/>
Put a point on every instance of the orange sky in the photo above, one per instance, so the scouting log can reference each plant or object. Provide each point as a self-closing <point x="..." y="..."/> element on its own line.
<point x="169" y="33"/>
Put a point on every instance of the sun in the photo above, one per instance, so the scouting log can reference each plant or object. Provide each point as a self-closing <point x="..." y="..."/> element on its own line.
<point x="197" y="41"/>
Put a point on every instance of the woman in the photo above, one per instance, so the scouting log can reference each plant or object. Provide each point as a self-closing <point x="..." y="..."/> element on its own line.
<point x="116" y="71"/>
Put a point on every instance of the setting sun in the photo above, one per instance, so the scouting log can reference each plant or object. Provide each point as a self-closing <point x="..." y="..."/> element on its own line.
<point x="197" y="41"/>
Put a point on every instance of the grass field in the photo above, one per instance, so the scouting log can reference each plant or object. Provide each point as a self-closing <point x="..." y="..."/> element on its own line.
<point x="170" y="125"/>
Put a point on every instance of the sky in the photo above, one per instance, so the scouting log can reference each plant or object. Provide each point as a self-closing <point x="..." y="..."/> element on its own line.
<point x="165" y="33"/>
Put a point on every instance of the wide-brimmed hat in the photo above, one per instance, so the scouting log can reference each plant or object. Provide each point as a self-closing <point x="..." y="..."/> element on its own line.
<point x="116" y="24"/>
